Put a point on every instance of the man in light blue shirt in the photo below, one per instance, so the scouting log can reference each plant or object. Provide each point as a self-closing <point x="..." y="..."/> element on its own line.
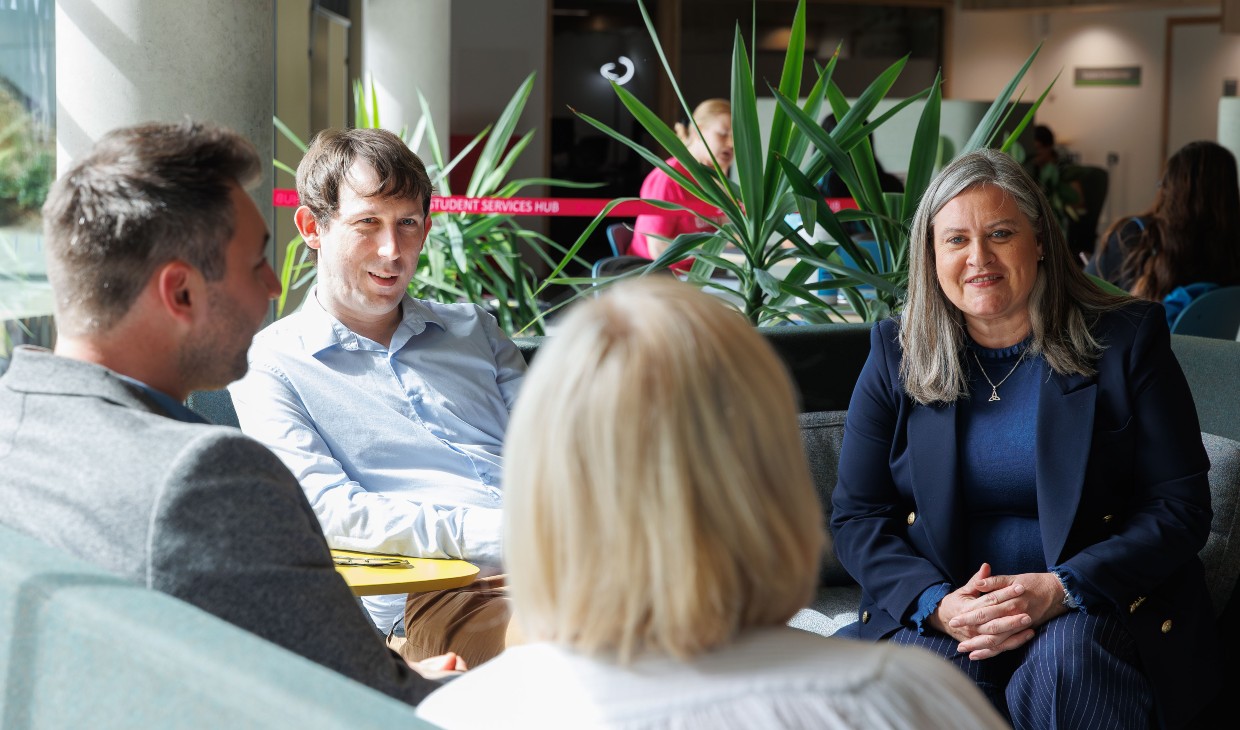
<point x="389" y="410"/>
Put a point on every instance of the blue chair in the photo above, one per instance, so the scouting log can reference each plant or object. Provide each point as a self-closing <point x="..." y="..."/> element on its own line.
<point x="868" y="245"/>
<point x="214" y="405"/>
<point x="1215" y="314"/>
<point x="616" y="265"/>
<point x="610" y="266"/>
<point x="620" y="236"/>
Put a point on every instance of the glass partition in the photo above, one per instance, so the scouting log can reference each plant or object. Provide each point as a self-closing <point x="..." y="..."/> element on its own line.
<point x="27" y="168"/>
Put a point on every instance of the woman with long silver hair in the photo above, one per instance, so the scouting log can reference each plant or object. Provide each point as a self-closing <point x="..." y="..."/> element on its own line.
<point x="1022" y="487"/>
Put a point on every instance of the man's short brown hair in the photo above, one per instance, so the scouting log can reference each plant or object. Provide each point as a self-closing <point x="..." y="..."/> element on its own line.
<point x="331" y="156"/>
<point x="144" y="195"/>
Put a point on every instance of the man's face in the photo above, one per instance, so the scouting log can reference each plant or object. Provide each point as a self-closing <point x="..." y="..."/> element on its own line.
<point x="236" y="304"/>
<point x="367" y="255"/>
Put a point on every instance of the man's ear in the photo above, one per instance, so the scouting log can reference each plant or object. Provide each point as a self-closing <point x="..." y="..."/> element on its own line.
<point x="179" y="290"/>
<point x="307" y="226"/>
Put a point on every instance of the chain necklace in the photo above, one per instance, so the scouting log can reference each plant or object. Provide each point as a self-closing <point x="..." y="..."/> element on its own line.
<point x="994" y="387"/>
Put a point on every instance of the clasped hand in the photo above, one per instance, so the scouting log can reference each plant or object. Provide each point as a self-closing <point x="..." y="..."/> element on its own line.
<point x="991" y="614"/>
<point x="439" y="667"/>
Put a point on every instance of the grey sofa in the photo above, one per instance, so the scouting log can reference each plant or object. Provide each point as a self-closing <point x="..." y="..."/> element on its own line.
<point x="80" y="648"/>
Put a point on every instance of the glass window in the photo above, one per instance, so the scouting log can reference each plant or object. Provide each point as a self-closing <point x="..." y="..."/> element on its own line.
<point x="27" y="168"/>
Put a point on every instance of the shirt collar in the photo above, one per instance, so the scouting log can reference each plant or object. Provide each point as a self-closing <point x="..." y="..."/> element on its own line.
<point x="172" y="407"/>
<point x="321" y="330"/>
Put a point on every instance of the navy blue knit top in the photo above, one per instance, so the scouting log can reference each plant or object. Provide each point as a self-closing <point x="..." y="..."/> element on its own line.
<point x="995" y="441"/>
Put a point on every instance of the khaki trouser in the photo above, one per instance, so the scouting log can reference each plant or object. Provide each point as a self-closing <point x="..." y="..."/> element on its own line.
<point x="471" y="621"/>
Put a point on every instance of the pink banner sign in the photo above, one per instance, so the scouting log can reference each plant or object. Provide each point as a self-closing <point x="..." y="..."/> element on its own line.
<point x="576" y="207"/>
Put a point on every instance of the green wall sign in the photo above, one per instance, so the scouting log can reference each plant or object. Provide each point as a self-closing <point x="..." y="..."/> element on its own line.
<point x="1108" y="76"/>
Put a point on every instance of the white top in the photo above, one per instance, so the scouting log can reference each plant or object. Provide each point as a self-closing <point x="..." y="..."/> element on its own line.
<point x="768" y="678"/>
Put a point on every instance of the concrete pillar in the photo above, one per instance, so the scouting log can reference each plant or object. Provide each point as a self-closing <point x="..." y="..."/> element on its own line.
<point x="495" y="46"/>
<point x="407" y="47"/>
<point x="120" y="62"/>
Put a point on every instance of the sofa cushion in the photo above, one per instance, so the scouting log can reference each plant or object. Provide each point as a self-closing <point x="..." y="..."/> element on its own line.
<point x="822" y="435"/>
<point x="1210" y="368"/>
<point x="832" y="609"/>
<point x="1221" y="555"/>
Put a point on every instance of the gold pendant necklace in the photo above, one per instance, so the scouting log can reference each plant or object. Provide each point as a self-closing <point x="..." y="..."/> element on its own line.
<point x="994" y="387"/>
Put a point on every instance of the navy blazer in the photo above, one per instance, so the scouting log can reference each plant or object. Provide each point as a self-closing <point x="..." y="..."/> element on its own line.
<point x="1123" y="498"/>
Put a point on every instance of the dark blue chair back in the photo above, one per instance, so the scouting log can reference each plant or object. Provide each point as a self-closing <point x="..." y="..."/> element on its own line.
<point x="620" y="236"/>
<point x="214" y="405"/>
<point x="616" y="265"/>
<point x="1215" y="314"/>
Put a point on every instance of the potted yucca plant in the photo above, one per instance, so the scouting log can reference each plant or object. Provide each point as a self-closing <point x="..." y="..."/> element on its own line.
<point x="777" y="179"/>
<point x="474" y="257"/>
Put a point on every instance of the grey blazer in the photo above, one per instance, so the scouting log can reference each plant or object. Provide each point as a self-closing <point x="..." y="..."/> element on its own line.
<point x="90" y="465"/>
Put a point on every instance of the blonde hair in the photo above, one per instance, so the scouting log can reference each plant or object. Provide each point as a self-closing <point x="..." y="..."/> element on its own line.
<point x="1063" y="305"/>
<point x="656" y="493"/>
<point x="702" y="114"/>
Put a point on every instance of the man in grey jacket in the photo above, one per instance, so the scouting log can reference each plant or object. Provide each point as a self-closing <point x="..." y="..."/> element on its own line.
<point x="157" y="259"/>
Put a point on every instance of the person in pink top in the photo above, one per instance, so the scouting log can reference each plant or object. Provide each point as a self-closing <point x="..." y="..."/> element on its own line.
<point x="652" y="233"/>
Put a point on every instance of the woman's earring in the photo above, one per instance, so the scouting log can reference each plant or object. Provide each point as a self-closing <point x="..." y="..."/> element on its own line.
<point x="1042" y="258"/>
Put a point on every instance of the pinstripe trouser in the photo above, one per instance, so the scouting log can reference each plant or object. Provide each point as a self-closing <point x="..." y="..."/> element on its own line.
<point x="1078" y="671"/>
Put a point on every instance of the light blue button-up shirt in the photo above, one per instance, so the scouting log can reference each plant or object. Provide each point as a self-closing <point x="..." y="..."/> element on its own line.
<point x="399" y="449"/>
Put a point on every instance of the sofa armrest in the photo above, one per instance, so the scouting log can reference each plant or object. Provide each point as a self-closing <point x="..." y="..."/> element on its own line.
<point x="822" y="436"/>
<point x="80" y="647"/>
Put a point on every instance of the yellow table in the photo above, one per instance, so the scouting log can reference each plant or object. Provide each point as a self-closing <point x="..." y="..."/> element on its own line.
<point x="419" y="574"/>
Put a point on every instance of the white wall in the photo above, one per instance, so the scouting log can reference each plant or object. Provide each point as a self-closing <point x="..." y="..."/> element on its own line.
<point x="986" y="47"/>
<point x="406" y="48"/>
<point x="1229" y="124"/>
<point x="984" y="51"/>
<point x="1210" y="56"/>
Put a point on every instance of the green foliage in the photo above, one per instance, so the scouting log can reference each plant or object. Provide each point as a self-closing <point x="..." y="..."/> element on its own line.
<point x="773" y="182"/>
<point x="887" y="216"/>
<point x="479" y="257"/>
<point x="1064" y="197"/>
<point x="469" y="257"/>
<point x="27" y="162"/>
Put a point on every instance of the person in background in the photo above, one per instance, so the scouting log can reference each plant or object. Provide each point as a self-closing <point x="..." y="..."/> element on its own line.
<point x="1188" y="242"/>
<point x="389" y="410"/>
<point x="158" y="261"/>
<point x="653" y="233"/>
<point x="1044" y="152"/>
<point x="657" y="545"/>
<point x="832" y="185"/>
<point x="1051" y="172"/>
<point x="1022" y="485"/>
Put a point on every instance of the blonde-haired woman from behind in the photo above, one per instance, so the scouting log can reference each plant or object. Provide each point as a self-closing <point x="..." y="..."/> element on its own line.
<point x="660" y="530"/>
